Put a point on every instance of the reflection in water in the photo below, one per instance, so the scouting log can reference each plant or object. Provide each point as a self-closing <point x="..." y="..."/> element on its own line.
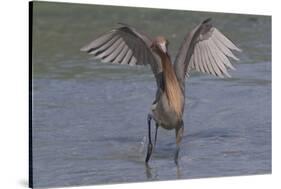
<point x="151" y="176"/>
<point x="148" y="171"/>
<point x="178" y="172"/>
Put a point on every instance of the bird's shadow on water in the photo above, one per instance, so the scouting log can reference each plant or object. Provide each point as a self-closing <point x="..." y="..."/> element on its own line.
<point x="151" y="173"/>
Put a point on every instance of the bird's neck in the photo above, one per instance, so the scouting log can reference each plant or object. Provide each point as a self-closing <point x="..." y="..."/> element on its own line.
<point x="171" y="85"/>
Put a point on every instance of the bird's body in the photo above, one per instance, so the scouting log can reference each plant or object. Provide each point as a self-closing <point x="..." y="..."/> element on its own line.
<point x="168" y="108"/>
<point x="204" y="49"/>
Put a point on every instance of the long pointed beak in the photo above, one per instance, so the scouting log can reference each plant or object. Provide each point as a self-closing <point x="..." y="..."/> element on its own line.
<point x="163" y="47"/>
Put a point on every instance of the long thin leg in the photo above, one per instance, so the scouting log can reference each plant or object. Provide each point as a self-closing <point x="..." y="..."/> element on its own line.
<point x="155" y="137"/>
<point x="179" y="135"/>
<point x="149" y="146"/>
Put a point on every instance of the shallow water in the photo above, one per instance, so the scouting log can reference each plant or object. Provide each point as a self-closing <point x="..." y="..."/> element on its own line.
<point x="89" y="118"/>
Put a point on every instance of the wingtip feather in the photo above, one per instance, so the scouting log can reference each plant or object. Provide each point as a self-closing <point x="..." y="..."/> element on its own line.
<point x="206" y="20"/>
<point x="239" y="50"/>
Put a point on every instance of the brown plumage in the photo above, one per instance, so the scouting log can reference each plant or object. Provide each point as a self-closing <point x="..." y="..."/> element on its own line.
<point x="171" y="85"/>
<point x="204" y="49"/>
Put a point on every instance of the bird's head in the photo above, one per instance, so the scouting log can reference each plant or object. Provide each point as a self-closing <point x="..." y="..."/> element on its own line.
<point x="160" y="45"/>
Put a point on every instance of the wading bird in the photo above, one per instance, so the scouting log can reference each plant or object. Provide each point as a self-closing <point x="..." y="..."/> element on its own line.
<point x="204" y="49"/>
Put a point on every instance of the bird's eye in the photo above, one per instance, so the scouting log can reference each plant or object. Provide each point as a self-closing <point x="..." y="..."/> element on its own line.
<point x="167" y="42"/>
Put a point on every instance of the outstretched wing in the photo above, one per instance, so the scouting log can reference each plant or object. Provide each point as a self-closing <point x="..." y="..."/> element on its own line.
<point x="125" y="45"/>
<point x="206" y="50"/>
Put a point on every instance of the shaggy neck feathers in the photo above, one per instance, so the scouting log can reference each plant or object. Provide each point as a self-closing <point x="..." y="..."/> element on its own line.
<point x="171" y="85"/>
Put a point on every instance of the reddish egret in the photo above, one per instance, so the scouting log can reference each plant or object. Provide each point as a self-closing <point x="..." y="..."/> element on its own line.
<point x="204" y="49"/>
